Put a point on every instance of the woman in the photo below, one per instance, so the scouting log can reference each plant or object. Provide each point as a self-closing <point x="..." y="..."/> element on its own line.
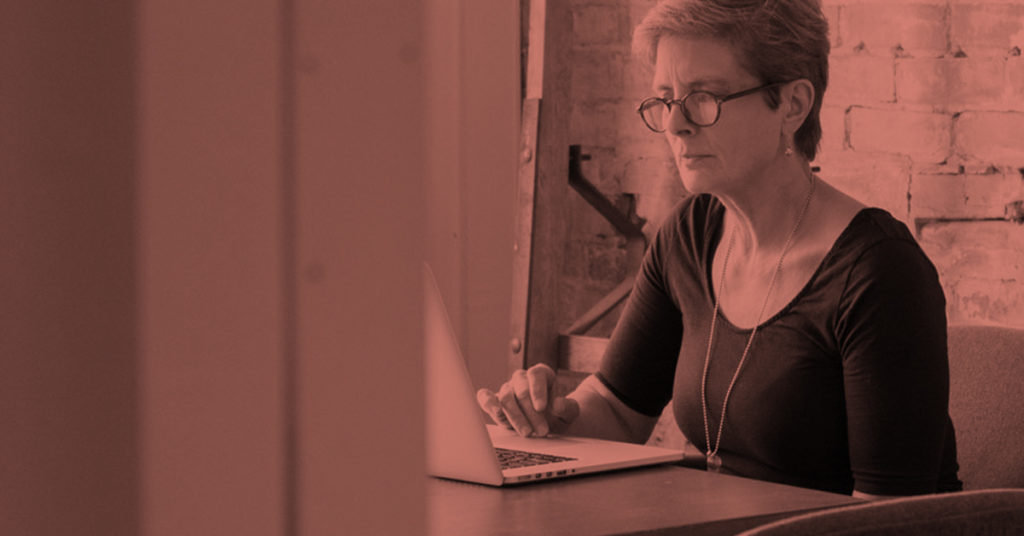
<point x="800" y="336"/>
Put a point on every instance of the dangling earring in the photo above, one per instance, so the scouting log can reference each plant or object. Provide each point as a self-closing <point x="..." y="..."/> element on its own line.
<point x="789" y="150"/>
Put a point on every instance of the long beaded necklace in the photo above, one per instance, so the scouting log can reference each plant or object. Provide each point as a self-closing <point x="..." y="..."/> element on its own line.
<point x="714" y="462"/>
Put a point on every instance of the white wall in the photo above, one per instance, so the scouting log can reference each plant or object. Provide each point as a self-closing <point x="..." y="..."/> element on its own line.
<point x="68" y="420"/>
<point x="209" y="267"/>
<point x="360" y="152"/>
<point x="212" y="266"/>
<point x="473" y="103"/>
<point x="209" y="290"/>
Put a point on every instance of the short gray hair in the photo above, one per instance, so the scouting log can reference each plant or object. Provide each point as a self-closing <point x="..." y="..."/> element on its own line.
<point x="775" y="40"/>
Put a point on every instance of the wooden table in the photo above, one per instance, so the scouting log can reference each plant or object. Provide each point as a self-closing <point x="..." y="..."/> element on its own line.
<point x="658" y="500"/>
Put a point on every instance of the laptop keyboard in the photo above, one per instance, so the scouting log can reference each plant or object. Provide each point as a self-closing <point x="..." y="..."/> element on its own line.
<point x="520" y="458"/>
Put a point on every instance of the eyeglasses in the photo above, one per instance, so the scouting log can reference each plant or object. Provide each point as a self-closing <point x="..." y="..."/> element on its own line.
<point x="699" y="107"/>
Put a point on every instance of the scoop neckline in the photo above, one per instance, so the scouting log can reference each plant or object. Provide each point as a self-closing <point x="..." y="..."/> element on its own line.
<point x="710" y="292"/>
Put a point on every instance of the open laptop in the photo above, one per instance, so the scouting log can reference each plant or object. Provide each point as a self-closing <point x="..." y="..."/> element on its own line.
<point x="461" y="446"/>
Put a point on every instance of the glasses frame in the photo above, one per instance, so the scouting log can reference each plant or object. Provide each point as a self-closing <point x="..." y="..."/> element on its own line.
<point x="681" y="103"/>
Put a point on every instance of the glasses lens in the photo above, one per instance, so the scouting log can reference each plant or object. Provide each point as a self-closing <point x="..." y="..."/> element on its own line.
<point x="702" y="108"/>
<point x="654" y="112"/>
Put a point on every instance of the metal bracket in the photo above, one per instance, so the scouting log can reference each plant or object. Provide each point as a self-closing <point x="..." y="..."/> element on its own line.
<point x="628" y="225"/>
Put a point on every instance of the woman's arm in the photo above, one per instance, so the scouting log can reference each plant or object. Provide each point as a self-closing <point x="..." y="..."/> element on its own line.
<point x="892" y="336"/>
<point x="603" y="415"/>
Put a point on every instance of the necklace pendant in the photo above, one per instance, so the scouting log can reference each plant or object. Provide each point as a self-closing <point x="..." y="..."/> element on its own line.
<point x="714" y="463"/>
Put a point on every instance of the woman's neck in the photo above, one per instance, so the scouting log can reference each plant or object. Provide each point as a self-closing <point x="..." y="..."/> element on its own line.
<point x="763" y="213"/>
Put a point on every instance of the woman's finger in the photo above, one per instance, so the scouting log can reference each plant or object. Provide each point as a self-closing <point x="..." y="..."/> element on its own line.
<point x="488" y="401"/>
<point x="510" y="406"/>
<point x="523" y="391"/>
<point x="540" y="379"/>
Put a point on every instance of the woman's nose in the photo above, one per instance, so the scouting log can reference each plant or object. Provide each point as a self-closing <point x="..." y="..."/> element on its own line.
<point x="676" y="123"/>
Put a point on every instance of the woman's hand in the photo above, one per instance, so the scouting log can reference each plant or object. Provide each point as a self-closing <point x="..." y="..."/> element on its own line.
<point x="526" y="403"/>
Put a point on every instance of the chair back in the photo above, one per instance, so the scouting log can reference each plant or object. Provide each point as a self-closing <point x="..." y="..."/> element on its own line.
<point x="976" y="512"/>
<point x="986" y="403"/>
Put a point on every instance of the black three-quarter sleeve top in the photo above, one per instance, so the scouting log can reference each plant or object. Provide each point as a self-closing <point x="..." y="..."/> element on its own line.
<point x="845" y="388"/>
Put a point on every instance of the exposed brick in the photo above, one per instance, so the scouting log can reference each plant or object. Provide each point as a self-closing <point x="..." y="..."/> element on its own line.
<point x="981" y="266"/>
<point x="654" y="208"/>
<point x="574" y="265"/>
<point x="993" y="137"/>
<point x="877" y="180"/>
<point x="597" y="23"/>
<point x="578" y="294"/>
<point x="583" y="222"/>
<point x="600" y="170"/>
<point x="641" y="145"/>
<point x="923" y="136"/>
<point x="606" y="260"/>
<point x="987" y="28"/>
<point x="597" y="73"/>
<point x="833" y="129"/>
<point x="654" y="180"/>
<point x="991" y="250"/>
<point x="861" y="79"/>
<point x="630" y="130"/>
<point x="951" y="84"/>
<point x="963" y="196"/>
<point x="637" y="80"/>
<point x="1015" y="83"/>
<point x="656" y="183"/>
<point x="832" y="16"/>
<point x="998" y="301"/>
<point x="645" y="175"/>
<point x="638" y="9"/>
<point x="594" y="123"/>
<point x="597" y="264"/>
<point x="919" y="28"/>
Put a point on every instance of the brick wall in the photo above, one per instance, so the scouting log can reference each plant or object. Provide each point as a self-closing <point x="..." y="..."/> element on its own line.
<point x="924" y="117"/>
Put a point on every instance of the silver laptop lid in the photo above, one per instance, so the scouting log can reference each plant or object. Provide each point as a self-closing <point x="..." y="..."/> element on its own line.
<point x="458" y="445"/>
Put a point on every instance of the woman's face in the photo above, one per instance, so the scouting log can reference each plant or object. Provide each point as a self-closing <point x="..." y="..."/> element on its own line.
<point x="744" y="141"/>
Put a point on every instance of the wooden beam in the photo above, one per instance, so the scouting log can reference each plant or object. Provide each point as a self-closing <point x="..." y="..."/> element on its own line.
<point x="543" y="183"/>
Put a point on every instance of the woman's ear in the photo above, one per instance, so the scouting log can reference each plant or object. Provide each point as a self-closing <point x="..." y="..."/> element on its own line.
<point x="797" y="100"/>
